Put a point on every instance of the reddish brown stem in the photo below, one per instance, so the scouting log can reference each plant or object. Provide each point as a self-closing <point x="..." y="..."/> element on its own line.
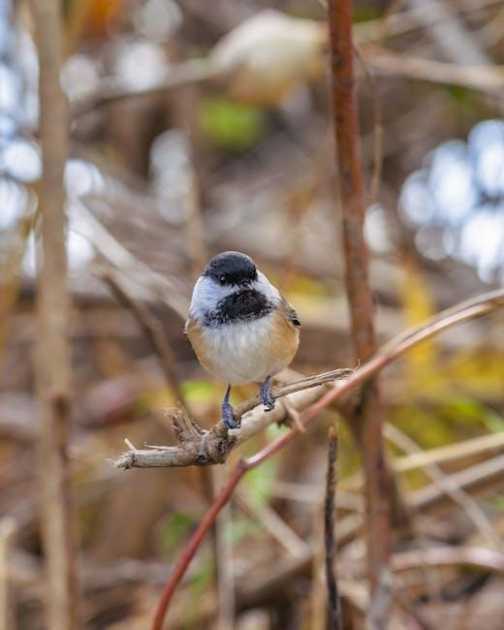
<point x="196" y="540"/>
<point x="367" y="417"/>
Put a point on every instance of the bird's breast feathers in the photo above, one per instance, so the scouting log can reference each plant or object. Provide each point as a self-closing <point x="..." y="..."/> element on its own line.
<point x="246" y="351"/>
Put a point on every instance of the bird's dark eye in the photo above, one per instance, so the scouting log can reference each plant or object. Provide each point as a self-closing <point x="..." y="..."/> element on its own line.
<point x="222" y="279"/>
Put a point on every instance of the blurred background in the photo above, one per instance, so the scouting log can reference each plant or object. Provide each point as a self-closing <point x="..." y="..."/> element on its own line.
<point x="189" y="137"/>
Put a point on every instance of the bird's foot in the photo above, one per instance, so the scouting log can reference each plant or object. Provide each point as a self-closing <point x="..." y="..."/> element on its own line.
<point x="228" y="416"/>
<point x="266" y="395"/>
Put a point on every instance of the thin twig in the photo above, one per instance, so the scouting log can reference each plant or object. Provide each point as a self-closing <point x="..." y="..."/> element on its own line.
<point x="112" y="90"/>
<point x="367" y="417"/>
<point x="448" y="31"/>
<point x="486" y="559"/>
<point x="451" y="452"/>
<point x="275" y="526"/>
<point x="7" y="530"/>
<point x="335" y="621"/>
<point x="381" y="603"/>
<point x="155" y="286"/>
<point x="52" y="357"/>
<point x="224" y="559"/>
<point x="487" y="79"/>
<point x="461" y="498"/>
<point x="153" y="330"/>
<point x="471" y="308"/>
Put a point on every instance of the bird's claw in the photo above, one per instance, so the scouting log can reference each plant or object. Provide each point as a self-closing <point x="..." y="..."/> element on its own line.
<point x="228" y="417"/>
<point x="266" y="396"/>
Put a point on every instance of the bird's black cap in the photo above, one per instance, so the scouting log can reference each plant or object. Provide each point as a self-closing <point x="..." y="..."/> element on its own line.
<point x="231" y="268"/>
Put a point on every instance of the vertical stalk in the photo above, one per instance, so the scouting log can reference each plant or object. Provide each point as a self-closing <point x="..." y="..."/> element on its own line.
<point x="367" y="416"/>
<point x="52" y="356"/>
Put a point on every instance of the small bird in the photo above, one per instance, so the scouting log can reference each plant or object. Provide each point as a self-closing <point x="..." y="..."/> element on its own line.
<point x="241" y="328"/>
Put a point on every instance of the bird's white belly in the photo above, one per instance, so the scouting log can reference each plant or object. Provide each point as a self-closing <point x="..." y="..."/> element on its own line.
<point x="242" y="352"/>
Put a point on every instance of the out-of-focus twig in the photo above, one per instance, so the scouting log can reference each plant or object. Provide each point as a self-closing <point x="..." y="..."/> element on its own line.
<point x="467" y="503"/>
<point x="112" y="90"/>
<point x="52" y="356"/>
<point x="401" y="22"/>
<point x="479" y="475"/>
<point x="153" y="330"/>
<point x="335" y="621"/>
<point x="10" y="272"/>
<point x="392" y="350"/>
<point x="451" y="452"/>
<point x="154" y="285"/>
<point x="489" y="79"/>
<point x="224" y="559"/>
<point x="486" y="559"/>
<point x="275" y="526"/>
<point x="7" y="529"/>
<point x="367" y="416"/>
<point x="448" y="31"/>
<point x="381" y="602"/>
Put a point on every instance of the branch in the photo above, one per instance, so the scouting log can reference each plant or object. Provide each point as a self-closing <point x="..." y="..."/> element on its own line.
<point x="214" y="445"/>
<point x="335" y="621"/>
<point x="489" y="79"/>
<point x="52" y="355"/>
<point x="435" y="472"/>
<point x="112" y="90"/>
<point x="153" y="330"/>
<point x="366" y="418"/>
<point x="390" y="352"/>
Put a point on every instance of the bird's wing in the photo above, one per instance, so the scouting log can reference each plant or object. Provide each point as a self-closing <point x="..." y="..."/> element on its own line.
<point x="289" y="313"/>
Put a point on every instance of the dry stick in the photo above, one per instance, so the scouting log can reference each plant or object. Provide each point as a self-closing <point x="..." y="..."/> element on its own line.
<point x="52" y="356"/>
<point x="486" y="559"/>
<point x="218" y="437"/>
<point x="154" y="332"/>
<point x="335" y="621"/>
<point x="486" y="79"/>
<point x="461" y="498"/>
<point x="381" y="603"/>
<point x="451" y="452"/>
<point x="7" y="530"/>
<point x="275" y="526"/>
<point x="213" y="446"/>
<point x="112" y="90"/>
<point x="367" y="417"/>
<point x="223" y="552"/>
<point x="394" y="349"/>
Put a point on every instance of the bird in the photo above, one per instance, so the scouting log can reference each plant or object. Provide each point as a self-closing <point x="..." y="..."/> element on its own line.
<point x="241" y="328"/>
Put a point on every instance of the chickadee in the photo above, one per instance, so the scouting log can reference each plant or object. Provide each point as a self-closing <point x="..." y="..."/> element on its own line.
<point x="241" y="328"/>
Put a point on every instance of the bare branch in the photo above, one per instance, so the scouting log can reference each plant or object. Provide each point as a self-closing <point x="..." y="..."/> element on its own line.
<point x="214" y="445"/>
<point x="153" y="331"/>
<point x="381" y="603"/>
<point x="335" y="621"/>
<point x="435" y="472"/>
<point x="112" y="90"/>
<point x="52" y="360"/>
<point x="489" y="79"/>
<point x="367" y="416"/>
